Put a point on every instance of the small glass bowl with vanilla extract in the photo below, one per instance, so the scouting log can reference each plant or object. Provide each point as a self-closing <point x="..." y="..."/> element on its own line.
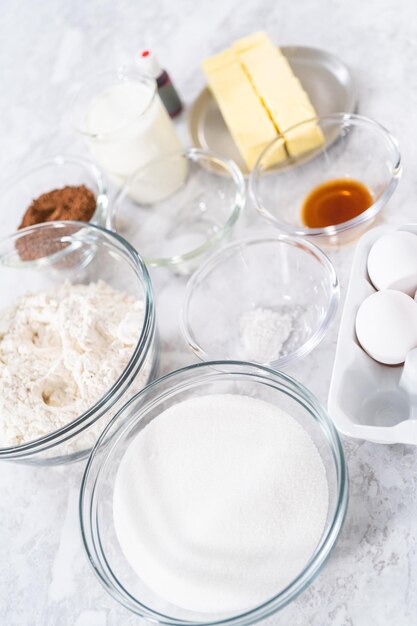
<point x="333" y="191"/>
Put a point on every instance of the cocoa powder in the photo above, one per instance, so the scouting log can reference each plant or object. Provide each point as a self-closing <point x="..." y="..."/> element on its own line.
<point x="39" y="244"/>
<point x="68" y="203"/>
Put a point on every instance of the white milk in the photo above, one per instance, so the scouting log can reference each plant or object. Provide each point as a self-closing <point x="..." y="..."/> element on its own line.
<point x="128" y="127"/>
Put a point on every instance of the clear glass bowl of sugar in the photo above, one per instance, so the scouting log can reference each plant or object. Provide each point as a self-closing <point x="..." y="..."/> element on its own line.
<point x="81" y="302"/>
<point x="214" y="496"/>
<point x="268" y="300"/>
<point x="179" y="208"/>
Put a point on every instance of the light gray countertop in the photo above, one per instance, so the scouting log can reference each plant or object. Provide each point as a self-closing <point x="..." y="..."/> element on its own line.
<point x="46" y="50"/>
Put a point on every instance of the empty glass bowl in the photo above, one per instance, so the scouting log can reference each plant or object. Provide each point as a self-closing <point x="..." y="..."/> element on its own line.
<point x="44" y="257"/>
<point x="355" y="147"/>
<point x="46" y="175"/>
<point x="97" y="490"/>
<point x="267" y="300"/>
<point x="176" y="209"/>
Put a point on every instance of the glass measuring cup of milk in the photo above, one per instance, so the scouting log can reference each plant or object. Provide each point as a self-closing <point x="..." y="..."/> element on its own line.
<point x="126" y="125"/>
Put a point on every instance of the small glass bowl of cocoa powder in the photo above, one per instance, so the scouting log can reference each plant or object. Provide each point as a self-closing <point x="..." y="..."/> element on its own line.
<point x="58" y="188"/>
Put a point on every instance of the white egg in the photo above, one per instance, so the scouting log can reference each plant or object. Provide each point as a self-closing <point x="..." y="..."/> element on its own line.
<point x="386" y="326"/>
<point x="392" y="262"/>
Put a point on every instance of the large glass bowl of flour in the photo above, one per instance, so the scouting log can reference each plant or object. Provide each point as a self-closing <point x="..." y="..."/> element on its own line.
<point x="214" y="496"/>
<point x="77" y="338"/>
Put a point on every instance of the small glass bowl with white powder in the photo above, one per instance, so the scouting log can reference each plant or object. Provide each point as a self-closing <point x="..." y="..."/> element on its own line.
<point x="77" y="337"/>
<point x="268" y="300"/>
<point x="219" y="497"/>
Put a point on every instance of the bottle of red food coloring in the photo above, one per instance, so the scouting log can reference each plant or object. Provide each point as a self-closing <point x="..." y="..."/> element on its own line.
<point x="169" y="96"/>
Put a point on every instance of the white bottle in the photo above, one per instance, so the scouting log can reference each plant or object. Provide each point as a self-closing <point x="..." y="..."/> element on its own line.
<point x="127" y="126"/>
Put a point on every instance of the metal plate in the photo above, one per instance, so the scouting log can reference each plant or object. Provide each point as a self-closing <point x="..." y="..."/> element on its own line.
<point x="325" y="78"/>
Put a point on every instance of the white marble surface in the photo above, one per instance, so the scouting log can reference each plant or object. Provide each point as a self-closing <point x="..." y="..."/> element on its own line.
<point x="46" y="49"/>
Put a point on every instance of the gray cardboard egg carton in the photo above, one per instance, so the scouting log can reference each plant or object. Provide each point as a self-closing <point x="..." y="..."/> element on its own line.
<point x="368" y="400"/>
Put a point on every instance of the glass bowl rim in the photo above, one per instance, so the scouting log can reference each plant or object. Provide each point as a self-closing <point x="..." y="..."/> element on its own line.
<point x="120" y="74"/>
<point x="194" y="155"/>
<point x="58" y="160"/>
<point x="352" y="119"/>
<point x="231" y="249"/>
<point x="112" y="395"/>
<point x="91" y="537"/>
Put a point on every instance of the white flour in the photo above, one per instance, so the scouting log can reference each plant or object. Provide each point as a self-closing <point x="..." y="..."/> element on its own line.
<point x="227" y="515"/>
<point x="263" y="334"/>
<point x="60" y="351"/>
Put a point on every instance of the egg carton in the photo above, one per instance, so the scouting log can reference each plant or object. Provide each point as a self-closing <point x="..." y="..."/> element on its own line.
<point x="368" y="400"/>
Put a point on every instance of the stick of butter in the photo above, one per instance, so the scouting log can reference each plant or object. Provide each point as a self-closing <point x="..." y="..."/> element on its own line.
<point x="247" y="119"/>
<point x="280" y="90"/>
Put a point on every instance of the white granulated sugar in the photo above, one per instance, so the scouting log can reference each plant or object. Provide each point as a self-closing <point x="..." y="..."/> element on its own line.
<point x="219" y="502"/>
<point x="263" y="333"/>
<point x="60" y="351"/>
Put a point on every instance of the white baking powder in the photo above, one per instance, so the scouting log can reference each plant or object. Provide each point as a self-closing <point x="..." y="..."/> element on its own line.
<point x="263" y="333"/>
<point x="60" y="351"/>
<point x="219" y="502"/>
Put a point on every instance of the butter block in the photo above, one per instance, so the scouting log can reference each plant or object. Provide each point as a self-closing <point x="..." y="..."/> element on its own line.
<point x="276" y="154"/>
<point x="219" y="60"/>
<point x="282" y="94"/>
<point x="242" y="110"/>
<point x="301" y="140"/>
